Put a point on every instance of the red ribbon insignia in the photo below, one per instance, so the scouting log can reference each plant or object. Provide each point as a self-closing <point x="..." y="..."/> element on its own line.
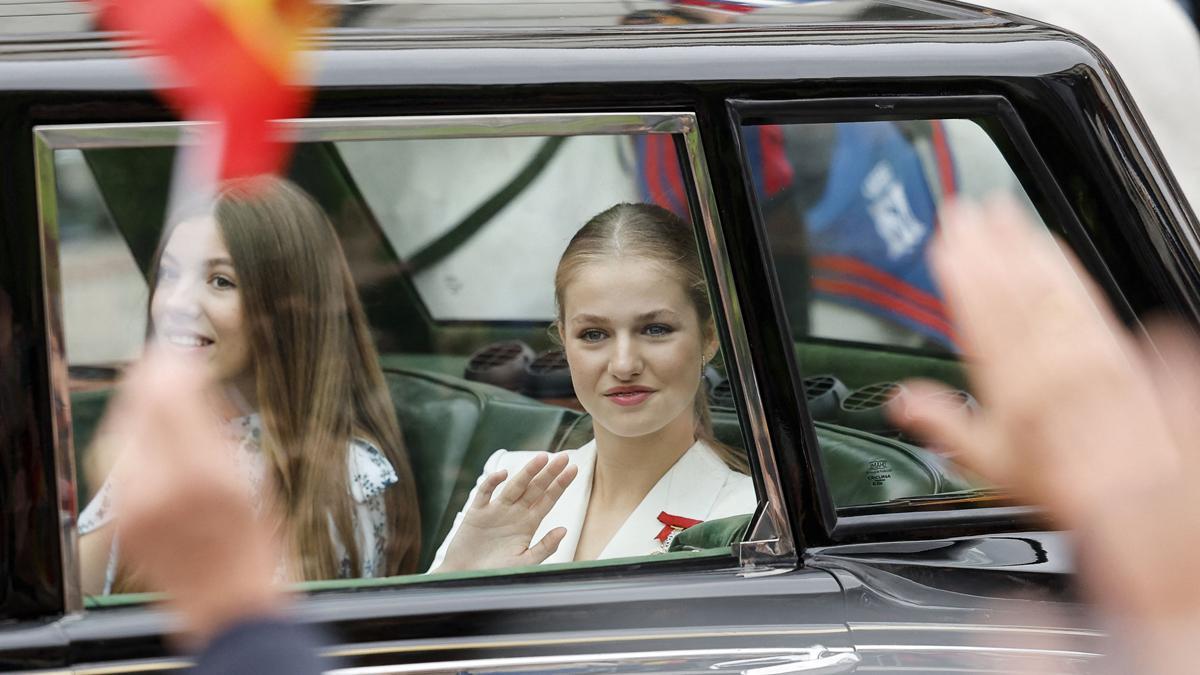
<point x="672" y="523"/>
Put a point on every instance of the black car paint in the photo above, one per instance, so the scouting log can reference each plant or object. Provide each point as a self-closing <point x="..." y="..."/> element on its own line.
<point x="1085" y="131"/>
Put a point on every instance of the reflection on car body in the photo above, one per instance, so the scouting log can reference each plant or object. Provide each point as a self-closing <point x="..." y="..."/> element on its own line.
<point x="864" y="550"/>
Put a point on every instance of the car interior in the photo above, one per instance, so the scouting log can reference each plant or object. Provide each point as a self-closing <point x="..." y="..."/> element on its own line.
<point x="464" y="387"/>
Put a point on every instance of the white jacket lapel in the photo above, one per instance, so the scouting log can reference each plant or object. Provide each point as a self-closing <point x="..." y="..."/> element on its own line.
<point x="572" y="506"/>
<point x="689" y="489"/>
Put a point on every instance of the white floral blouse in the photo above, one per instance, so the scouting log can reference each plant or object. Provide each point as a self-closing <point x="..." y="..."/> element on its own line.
<point x="370" y="474"/>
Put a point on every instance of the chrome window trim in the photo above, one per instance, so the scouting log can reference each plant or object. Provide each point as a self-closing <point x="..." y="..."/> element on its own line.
<point x="769" y="538"/>
<point x="977" y="649"/>
<point x="61" y="437"/>
<point x="604" y="661"/>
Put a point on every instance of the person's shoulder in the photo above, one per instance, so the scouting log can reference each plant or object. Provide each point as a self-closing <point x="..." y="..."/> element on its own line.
<point x="737" y="493"/>
<point x="369" y="470"/>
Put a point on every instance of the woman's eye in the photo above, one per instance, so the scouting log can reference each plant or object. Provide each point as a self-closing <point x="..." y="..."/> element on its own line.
<point x="222" y="283"/>
<point x="592" y="335"/>
<point x="657" y="330"/>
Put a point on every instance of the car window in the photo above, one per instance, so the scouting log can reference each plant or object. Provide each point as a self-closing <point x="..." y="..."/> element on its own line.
<point x="849" y="209"/>
<point x="420" y="277"/>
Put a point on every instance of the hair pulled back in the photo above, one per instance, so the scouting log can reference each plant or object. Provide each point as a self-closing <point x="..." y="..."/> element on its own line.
<point x="657" y="235"/>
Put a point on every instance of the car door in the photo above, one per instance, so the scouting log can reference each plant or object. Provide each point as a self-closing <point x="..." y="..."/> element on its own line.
<point x="940" y="569"/>
<point x="97" y="183"/>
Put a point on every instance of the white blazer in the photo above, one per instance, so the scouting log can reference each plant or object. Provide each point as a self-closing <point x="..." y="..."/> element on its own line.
<point x="699" y="486"/>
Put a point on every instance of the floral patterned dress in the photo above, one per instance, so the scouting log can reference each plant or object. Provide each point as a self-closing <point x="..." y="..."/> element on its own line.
<point x="370" y="474"/>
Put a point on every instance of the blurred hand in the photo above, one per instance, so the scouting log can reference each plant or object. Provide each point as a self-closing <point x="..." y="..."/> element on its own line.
<point x="1077" y="416"/>
<point x="497" y="532"/>
<point x="187" y="523"/>
<point x="1070" y="414"/>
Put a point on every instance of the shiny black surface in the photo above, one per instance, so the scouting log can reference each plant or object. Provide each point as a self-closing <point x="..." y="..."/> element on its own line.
<point x="66" y="17"/>
<point x="30" y="574"/>
<point x="1084" y="135"/>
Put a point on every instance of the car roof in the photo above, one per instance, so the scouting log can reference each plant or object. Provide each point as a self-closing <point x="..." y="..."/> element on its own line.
<point x="39" y="20"/>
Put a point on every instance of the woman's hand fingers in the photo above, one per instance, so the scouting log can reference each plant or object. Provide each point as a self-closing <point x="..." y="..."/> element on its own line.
<point x="483" y="495"/>
<point x="556" y="489"/>
<point x="516" y="487"/>
<point x="544" y="480"/>
<point x="546" y="547"/>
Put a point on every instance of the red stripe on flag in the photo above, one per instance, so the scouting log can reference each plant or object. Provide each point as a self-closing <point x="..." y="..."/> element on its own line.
<point x="654" y="179"/>
<point x="218" y="76"/>
<point x="945" y="161"/>
<point x="854" y="267"/>
<point x="675" y="175"/>
<point x="876" y="297"/>
<point x="777" y="168"/>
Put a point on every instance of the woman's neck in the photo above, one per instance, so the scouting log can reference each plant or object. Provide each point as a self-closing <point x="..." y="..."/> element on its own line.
<point x="237" y="399"/>
<point x="628" y="468"/>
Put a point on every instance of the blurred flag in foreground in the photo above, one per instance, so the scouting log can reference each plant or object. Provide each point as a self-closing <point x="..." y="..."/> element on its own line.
<point x="235" y="62"/>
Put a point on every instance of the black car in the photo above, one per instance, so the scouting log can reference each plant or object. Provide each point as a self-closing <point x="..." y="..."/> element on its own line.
<point x="456" y="148"/>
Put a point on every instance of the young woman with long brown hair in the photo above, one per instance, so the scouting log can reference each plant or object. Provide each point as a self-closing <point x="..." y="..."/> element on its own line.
<point x="636" y="325"/>
<point x="260" y="290"/>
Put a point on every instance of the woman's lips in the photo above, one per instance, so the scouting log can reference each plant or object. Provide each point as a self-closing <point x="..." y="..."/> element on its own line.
<point x="629" y="398"/>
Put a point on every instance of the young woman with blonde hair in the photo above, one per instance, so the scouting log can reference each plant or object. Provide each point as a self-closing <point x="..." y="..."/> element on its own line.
<point x="636" y="325"/>
<point x="260" y="291"/>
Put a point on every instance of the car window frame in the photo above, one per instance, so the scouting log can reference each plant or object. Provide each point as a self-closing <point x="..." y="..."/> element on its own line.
<point x="768" y="539"/>
<point x="829" y="527"/>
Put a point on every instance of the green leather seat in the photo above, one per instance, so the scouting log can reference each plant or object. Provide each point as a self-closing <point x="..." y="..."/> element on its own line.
<point x="451" y="426"/>
<point x="719" y="533"/>
<point x="861" y="468"/>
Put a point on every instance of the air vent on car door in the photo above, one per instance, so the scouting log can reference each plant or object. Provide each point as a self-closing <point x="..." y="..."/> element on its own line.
<point x="500" y="363"/>
<point x="824" y="394"/>
<point x="548" y="376"/>
<point x="864" y="408"/>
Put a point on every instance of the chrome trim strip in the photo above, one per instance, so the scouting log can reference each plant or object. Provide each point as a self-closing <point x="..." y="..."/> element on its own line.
<point x="977" y="650"/>
<point x="458" y="644"/>
<point x="577" y="659"/>
<point x="61" y="438"/>
<point x="453" y="644"/>
<point x="779" y="543"/>
<point x="771" y="534"/>
<point x="975" y="628"/>
<point x="118" y="668"/>
<point x="156" y="134"/>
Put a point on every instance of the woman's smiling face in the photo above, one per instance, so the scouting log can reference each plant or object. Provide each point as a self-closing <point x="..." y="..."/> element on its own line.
<point x="635" y="345"/>
<point x="197" y="308"/>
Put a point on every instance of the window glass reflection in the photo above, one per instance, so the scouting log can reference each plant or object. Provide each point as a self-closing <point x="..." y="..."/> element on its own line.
<point x="850" y="209"/>
<point x="386" y="329"/>
<point x="258" y="289"/>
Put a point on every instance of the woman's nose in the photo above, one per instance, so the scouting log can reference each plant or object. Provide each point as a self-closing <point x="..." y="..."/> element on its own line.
<point x="626" y="361"/>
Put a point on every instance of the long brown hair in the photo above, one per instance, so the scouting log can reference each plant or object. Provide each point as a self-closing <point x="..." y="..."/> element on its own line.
<point x="654" y="233"/>
<point x="317" y="375"/>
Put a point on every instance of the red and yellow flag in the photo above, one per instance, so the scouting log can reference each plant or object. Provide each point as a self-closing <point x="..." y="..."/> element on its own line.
<point x="236" y="62"/>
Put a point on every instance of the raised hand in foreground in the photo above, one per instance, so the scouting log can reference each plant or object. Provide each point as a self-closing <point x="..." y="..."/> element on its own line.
<point x="1079" y="416"/>
<point x="186" y="521"/>
<point x="498" y="531"/>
